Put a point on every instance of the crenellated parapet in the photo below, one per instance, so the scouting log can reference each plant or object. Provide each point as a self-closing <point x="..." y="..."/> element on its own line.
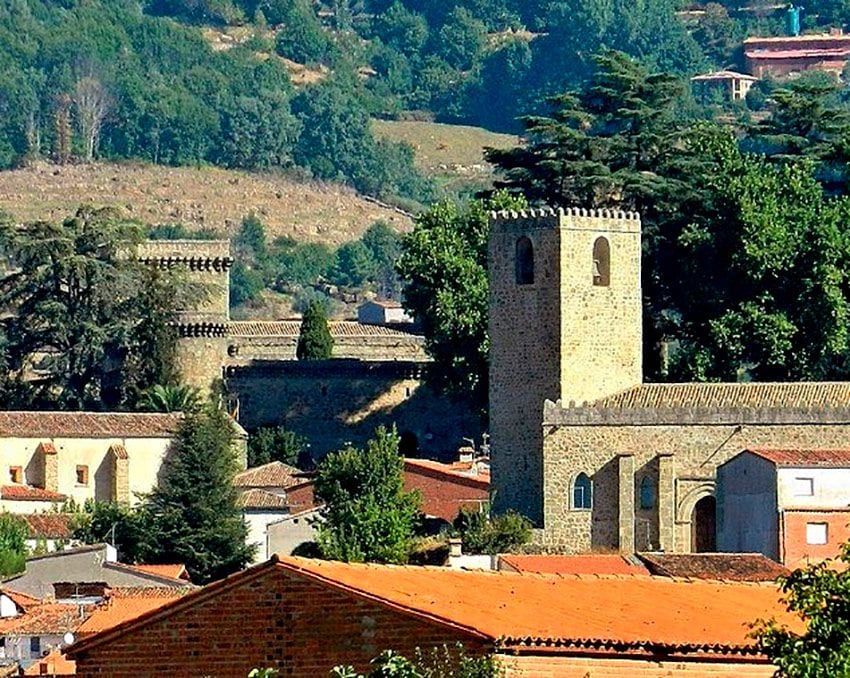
<point x="561" y="212"/>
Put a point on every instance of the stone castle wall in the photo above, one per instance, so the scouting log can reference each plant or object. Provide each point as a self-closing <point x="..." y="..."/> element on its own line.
<point x="678" y="449"/>
<point x="335" y="402"/>
<point x="559" y="336"/>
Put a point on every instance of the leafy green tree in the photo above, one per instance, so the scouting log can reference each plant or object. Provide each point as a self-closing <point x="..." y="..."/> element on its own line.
<point x="401" y="29"/>
<point x="13" y="545"/>
<point x="444" y="662"/>
<point x="444" y="269"/>
<point x="192" y="516"/>
<point x="485" y="534"/>
<point x="301" y="263"/>
<point x="461" y="40"/>
<point x="384" y="246"/>
<point x="355" y="265"/>
<point x="820" y="595"/>
<point x="314" y="338"/>
<point x="718" y="34"/>
<point x="367" y="515"/>
<point x="92" y="319"/>
<point x="117" y="524"/>
<point x="277" y="443"/>
<point x="246" y="284"/>
<point x="170" y="398"/>
<point x="302" y="38"/>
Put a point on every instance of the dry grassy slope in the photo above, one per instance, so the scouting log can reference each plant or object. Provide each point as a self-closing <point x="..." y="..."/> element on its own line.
<point x="441" y="148"/>
<point x="206" y="197"/>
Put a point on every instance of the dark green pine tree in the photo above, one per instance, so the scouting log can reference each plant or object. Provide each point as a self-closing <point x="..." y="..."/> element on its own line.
<point x="314" y="341"/>
<point x="192" y="514"/>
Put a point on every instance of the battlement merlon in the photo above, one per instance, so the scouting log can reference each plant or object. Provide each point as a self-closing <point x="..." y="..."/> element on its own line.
<point x="196" y="255"/>
<point x="572" y="218"/>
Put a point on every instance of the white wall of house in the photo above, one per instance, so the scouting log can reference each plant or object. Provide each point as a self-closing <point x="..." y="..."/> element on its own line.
<point x="14" y="506"/>
<point x="747" y="517"/>
<point x="22" y="650"/>
<point x="814" y="488"/>
<point x="288" y="533"/>
<point x="145" y="460"/>
<point x="371" y="313"/>
<point x="257" y="522"/>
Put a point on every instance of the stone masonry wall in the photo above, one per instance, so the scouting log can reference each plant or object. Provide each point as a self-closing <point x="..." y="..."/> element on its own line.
<point x="559" y="335"/>
<point x="335" y="402"/>
<point x="681" y="459"/>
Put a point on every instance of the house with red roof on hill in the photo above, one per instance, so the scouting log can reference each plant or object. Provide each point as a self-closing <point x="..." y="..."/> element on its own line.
<point x="448" y="488"/>
<point x="307" y="616"/>
<point x="787" y="55"/>
<point x="792" y="505"/>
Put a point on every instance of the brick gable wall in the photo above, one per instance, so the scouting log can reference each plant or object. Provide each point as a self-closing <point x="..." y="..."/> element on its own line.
<point x="279" y="620"/>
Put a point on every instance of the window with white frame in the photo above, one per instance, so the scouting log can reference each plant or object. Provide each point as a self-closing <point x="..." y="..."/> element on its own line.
<point x="803" y="487"/>
<point x="817" y="533"/>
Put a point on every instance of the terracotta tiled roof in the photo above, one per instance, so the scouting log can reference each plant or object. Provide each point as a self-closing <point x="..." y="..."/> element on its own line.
<point x="274" y="474"/>
<point x="260" y="499"/>
<point x="578" y="564"/>
<point x="49" y="525"/>
<point x="176" y="571"/>
<point x="803" y="457"/>
<point x="54" y="664"/>
<point x="291" y="328"/>
<point x="446" y="488"/>
<point x="22" y="600"/>
<point x="384" y="303"/>
<point x="88" y="424"/>
<point x="43" y="619"/>
<point x="120" y="608"/>
<point x="631" y="610"/>
<point x="752" y="567"/>
<point x="752" y="395"/>
<point x="821" y="52"/>
<point x="29" y="493"/>
<point x="119" y="451"/>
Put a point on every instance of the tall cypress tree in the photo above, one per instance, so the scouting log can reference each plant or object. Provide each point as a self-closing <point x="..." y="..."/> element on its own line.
<point x="192" y="514"/>
<point x="314" y="341"/>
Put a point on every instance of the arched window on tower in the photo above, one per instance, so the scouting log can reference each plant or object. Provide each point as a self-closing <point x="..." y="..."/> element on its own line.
<point x="524" y="262"/>
<point x="601" y="262"/>
<point x="582" y="492"/>
<point x="647" y="493"/>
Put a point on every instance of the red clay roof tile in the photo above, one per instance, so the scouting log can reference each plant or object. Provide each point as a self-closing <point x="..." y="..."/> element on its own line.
<point x="577" y="564"/>
<point x="273" y="474"/>
<point x="49" y="525"/>
<point x="88" y="424"/>
<point x="753" y="567"/>
<point x="29" y="493"/>
<point x="804" y="457"/>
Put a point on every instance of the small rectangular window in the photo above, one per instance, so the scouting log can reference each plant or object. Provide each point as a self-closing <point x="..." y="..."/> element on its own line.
<point x="82" y="475"/>
<point x="16" y="474"/>
<point x="803" y="487"/>
<point x="35" y="645"/>
<point x="817" y="533"/>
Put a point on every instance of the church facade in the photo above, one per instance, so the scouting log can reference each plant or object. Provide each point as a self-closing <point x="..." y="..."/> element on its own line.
<point x="595" y="457"/>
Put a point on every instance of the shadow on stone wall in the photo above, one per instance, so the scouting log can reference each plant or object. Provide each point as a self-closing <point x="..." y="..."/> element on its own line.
<point x="336" y="402"/>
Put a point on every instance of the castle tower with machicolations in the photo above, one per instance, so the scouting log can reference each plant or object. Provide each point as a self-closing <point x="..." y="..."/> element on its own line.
<point x="203" y="324"/>
<point x="565" y="324"/>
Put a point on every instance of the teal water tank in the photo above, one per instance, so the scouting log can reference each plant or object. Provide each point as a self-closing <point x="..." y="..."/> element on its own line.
<point x="792" y="20"/>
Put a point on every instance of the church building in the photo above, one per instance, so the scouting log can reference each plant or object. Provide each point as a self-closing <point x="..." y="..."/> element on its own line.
<point x="596" y="458"/>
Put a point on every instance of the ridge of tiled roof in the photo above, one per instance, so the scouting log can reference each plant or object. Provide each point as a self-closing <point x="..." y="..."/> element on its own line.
<point x="22" y="600"/>
<point x="724" y="75"/>
<point x="88" y="424"/>
<point x="751" y="567"/>
<point x="613" y="563"/>
<point x="455" y="472"/>
<point x="273" y="474"/>
<point x="809" y="394"/>
<point x="165" y="580"/>
<point x="17" y="492"/>
<point x="291" y="329"/>
<point x="43" y="619"/>
<point x="804" y="457"/>
<point x="148" y="591"/>
<point x="48" y="525"/>
<point x="118" y="609"/>
<point x="260" y="499"/>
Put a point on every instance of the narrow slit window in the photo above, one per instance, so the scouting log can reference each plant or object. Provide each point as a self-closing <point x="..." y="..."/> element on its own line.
<point x="524" y="262"/>
<point x="582" y="492"/>
<point x="601" y="262"/>
<point x="647" y="493"/>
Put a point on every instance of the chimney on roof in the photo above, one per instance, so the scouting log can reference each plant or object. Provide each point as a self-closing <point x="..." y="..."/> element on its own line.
<point x="455" y="547"/>
<point x="466" y="454"/>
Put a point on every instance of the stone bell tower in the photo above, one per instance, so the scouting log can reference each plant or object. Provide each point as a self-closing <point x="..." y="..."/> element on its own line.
<point x="202" y="327"/>
<point x="564" y="323"/>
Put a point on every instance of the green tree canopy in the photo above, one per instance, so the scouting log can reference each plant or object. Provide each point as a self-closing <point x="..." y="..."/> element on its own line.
<point x="367" y="515"/>
<point x="88" y="324"/>
<point x="314" y="339"/>
<point x="13" y="545"/>
<point x="277" y="443"/>
<point x="191" y="516"/>
<point x="444" y="269"/>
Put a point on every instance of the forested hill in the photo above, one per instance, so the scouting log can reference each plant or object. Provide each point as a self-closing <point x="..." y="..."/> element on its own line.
<point x="138" y="79"/>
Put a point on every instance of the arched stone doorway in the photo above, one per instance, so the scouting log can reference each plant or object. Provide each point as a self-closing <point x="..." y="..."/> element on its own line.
<point x="704" y="526"/>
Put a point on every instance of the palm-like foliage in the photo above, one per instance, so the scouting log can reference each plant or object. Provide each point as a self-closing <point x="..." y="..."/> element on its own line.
<point x="170" y="398"/>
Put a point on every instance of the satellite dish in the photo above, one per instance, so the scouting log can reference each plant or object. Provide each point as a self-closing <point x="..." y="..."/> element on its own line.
<point x="68" y="638"/>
